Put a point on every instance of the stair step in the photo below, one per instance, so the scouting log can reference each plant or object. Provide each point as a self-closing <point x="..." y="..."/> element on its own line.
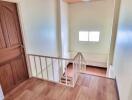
<point x="64" y="81"/>
<point x="64" y="78"/>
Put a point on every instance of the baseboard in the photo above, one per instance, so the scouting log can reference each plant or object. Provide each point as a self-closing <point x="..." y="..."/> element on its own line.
<point x="111" y="72"/>
<point x="96" y="66"/>
<point x="117" y="89"/>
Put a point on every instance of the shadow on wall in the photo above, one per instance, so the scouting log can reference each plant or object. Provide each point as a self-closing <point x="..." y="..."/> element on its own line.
<point x="95" y="59"/>
<point x="130" y="94"/>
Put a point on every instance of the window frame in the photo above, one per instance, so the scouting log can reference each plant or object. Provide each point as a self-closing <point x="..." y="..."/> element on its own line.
<point x="89" y="36"/>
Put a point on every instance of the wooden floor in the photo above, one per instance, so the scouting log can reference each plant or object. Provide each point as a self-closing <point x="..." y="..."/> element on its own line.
<point x="88" y="87"/>
<point x="96" y="71"/>
<point x="89" y="70"/>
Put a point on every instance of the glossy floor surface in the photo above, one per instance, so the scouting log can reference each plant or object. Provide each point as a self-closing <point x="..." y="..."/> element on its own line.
<point x="88" y="87"/>
<point x="89" y="70"/>
<point x="96" y="71"/>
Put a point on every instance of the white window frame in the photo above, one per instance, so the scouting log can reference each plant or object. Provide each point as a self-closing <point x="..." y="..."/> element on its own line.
<point x="89" y="34"/>
<point x="83" y="36"/>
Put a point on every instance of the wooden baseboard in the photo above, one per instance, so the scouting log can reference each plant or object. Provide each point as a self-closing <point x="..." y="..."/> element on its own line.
<point x="96" y="66"/>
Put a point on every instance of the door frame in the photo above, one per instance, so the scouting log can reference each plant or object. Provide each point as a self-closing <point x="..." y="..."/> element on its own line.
<point x="21" y="22"/>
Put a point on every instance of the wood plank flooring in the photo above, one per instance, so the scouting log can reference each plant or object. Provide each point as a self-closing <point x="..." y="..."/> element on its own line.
<point x="96" y="71"/>
<point x="88" y="87"/>
<point x="92" y="70"/>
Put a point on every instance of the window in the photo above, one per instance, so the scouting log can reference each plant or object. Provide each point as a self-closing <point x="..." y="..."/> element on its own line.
<point x="83" y="36"/>
<point x="92" y="36"/>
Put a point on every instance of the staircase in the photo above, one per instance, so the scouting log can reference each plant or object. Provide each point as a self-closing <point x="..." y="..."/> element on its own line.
<point x="69" y="72"/>
<point x="59" y="70"/>
<point x="69" y="80"/>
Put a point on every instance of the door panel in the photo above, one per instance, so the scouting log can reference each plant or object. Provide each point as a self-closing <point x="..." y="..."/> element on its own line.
<point x="10" y="25"/>
<point x="13" y="69"/>
<point x="2" y="40"/>
<point x="19" y="70"/>
<point x="6" y="78"/>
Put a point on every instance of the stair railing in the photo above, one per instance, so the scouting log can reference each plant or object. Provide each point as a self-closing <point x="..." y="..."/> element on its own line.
<point x="79" y="65"/>
<point x="55" y="69"/>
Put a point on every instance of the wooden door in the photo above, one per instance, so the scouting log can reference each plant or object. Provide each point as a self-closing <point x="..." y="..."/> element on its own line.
<point x="13" y="69"/>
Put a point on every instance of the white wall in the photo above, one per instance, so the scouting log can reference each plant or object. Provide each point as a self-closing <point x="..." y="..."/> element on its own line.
<point x="93" y="16"/>
<point x="123" y="51"/>
<point x="46" y="30"/>
<point x="64" y="13"/>
<point x="40" y="25"/>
